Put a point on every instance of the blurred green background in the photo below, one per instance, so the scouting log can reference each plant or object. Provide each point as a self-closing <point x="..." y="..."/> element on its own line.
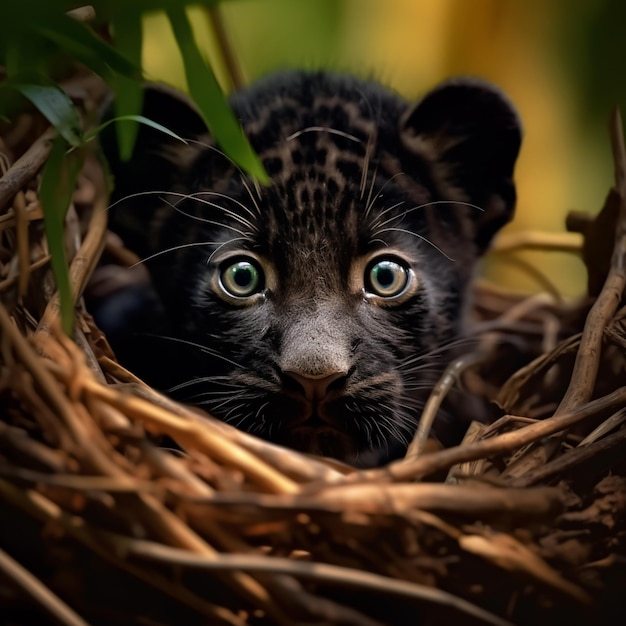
<point x="560" y="61"/>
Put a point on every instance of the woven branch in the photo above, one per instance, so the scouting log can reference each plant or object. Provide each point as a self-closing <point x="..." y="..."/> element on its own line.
<point x="525" y="522"/>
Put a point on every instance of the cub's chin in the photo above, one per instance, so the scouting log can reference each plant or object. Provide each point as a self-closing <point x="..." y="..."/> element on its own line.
<point x="326" y="441"/>
<point x="321" y="440"/>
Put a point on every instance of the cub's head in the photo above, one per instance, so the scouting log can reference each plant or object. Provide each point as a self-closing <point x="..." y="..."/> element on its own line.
<point x="315" y="312"/>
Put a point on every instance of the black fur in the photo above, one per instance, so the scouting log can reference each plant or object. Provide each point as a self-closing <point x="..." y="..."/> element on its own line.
<point x="358" y="176"/>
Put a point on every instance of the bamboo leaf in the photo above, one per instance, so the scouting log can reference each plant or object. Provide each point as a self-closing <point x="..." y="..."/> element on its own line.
<point x="129" y="93"/>
<point x="206" y="92"/>
<point x="134" y="118"/>
<point x="53" y="103"/>
<point x="24" y="21"/>
<point x="82" y="44"/>
<point x="58" y="181"/>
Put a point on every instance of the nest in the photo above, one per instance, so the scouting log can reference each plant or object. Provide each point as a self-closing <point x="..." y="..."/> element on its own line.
<point x="524" y="523"/>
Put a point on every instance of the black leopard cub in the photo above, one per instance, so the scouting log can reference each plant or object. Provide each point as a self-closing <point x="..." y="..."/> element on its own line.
<point x="314" y="311"/>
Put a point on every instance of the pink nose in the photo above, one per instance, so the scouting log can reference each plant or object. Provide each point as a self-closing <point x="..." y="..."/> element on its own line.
<point x="315" y="388"/>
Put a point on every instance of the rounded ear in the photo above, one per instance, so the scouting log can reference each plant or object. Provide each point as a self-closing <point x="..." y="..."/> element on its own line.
<point x="158" y="162"/>
<point x="152" y="151"/>
<point x="470" y="134"/>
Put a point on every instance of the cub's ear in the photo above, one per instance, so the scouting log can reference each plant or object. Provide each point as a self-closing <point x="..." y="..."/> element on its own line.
<point x="470" y="134"/>
<point x="159" y="162"/>
<point x="153" y="153"/>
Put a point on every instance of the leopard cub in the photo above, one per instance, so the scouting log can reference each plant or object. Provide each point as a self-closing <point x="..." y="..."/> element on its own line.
<point x="315" y="311"/>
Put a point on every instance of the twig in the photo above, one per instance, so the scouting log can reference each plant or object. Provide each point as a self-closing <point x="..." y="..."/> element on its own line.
<point x="587" y="361"/>
<point x="86" y="258"/>
<point x="606" y="427"/>
<point x="585" y="371"/>
<point x="516" y="312"/>
<point x="33" y="212"/>
<point x="40" y="455"/>
<point x="63" y="409"/>
<point x="225" y="47"/>
<point x="194" y="436"/>
<point x="110" y="484"/>
<point x="155" y="515"/>
<point x="510" y="391"/>
<point x="45" y="510"/>
<point x="602" y="454"/>
<point x="25" y="168"/>
<point x="535" y="274"/>
<point x="474" y="433"/>
<point x="90" y="357"/>
<point x="11" y="280"/>
<point x="292" y="593"/>
<point x="164" y="523"/>
<point x="48" y="601"/>
<point x="23" y="252"/>
<point x="289" y="462"/>
<point x="468" y="501"/>
<point x="321" y="572"/>
<point x="507" y="442"/>
<point x="450" y="375"/>
<point x="511" y="555"/>
<point x="537" y="240"/>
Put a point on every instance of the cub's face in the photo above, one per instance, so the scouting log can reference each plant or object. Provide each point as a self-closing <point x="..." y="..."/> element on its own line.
<point x="315" y="312"/>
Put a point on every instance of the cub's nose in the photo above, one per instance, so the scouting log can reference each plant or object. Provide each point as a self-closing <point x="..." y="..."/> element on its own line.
<point x="314" y="388"/>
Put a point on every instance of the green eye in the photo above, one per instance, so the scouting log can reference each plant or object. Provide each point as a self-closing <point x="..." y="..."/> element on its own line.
<point x="241" y="279"/>
<point x="387" y="278"/>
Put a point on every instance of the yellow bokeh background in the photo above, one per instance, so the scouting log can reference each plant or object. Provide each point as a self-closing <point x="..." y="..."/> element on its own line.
<point x="410" y="45"/>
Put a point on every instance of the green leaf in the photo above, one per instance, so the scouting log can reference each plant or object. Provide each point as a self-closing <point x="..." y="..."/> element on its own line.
<point x="51" y="101"/>
<point x="26" y="50"/>
<point x="134" y="118"/>
<point x="81" y="43"/>
<point x="58" y="181"/>
<point x="104" y="8"/>
<point x="206" y="93"/>
<point x="21" y="21"/>
<point x="127" y="27"/>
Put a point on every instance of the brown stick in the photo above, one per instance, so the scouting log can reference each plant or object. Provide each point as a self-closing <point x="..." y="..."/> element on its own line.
<point x="537" y="240"/>
<point x="51" y="603"/>
<point x="86" y="258"/>
<point x="416" y="469"/>
<point x="226" y="49"/>
<point x="94" y="456"/>
<point x="316" y="571"/>
<point x="8" y="282"/>
<point x="468" y="500"/>
<point x="25" y="168"/>
<point x="602" y="454"/>
<point x="43" y="509"/>
<point x="585" y="371"/>
<point x="449" y="377"/>
<point x="195" y="436"/>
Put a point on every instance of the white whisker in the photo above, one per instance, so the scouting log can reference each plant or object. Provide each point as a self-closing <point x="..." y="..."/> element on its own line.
<point x="173" y="249"/>
<point x="424" y="239"/>
<point x="227" y="211"/>
<point x="371" y="201"/>
<point x="239" y="170"/>
<point x="322" y="129"/>
<point x="222" y="245"/>
<point x="377" y="224"/>
<point x="199" y="346"/>
<point x="368" y="204"/>
<point x="204" y="220"/>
